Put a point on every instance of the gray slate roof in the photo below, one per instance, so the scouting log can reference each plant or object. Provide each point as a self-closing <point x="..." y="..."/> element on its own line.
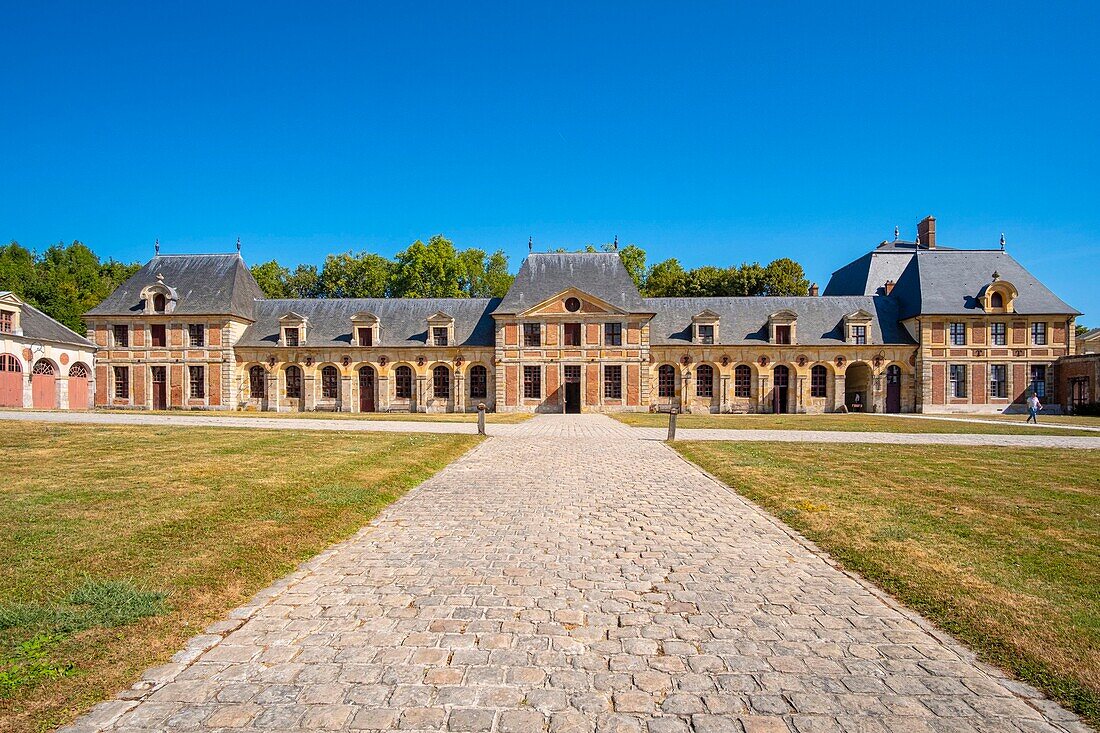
<point x="1090" y="335"/>
<point x="601" y="274"/>
<point x="36" y="325"/>
<point x="868" y="274"/>
<point x="949" y="282"/>
<point x="218" y="284"/>
<point x="744" y="321"/>
<point x="403" y="321"/>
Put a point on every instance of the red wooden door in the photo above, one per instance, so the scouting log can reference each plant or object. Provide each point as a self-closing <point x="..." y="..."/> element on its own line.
<point x="160" y="388"/>
<point x="11" y="381"/>
<point x="366" y="389"/>
<point x="44" y="391"/>
<point x="78" y="393"/>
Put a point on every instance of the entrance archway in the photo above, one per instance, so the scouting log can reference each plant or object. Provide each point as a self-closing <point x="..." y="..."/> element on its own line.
<point x="368" y="385"/>
<point x="857" y="387"/>
<point x="44" y="385"/>
<point x="11" y="381"/>
<point x="893" y="388"/>
<point x="781" y="376"/>
<point x="78" y="387"/>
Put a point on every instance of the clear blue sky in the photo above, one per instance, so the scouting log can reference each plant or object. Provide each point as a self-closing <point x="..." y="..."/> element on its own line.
<point x="710" y="132"/>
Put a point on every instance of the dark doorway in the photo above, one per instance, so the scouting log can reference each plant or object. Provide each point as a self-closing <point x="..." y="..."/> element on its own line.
<point x="572" y="388"/>
<point x="366" y="389"/>
<point x="893" y="388"/>
<point x="160" y="388"/>
<point x="782" y="389"/>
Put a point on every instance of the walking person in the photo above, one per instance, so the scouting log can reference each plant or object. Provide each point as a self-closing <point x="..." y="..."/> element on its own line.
<point x="1033" y="407"/>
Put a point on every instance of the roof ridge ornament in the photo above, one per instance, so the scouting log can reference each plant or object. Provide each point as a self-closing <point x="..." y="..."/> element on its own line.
<point x="1002" y="241"/>
<point x="897" y="233"/>
<point x="996" y="276"/>
<point x="615" y="246"/>
<point x="530" y="244"/>
<point x="238" y="245"/>
<point x="156" y="245"/>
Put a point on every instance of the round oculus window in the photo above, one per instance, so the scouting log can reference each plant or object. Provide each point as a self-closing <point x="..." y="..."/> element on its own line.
<point x="572" y="305"/>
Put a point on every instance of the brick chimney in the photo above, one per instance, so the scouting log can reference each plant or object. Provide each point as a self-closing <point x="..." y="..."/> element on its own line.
<point x="888" y="287"/>
<point x="814" y="292"/>
<point x="926" y="232"/>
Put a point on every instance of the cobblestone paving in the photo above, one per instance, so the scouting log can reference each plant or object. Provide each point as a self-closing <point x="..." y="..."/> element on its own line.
<point x="574" y="585"/>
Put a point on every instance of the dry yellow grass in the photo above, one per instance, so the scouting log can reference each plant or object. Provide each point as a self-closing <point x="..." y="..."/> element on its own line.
<point x="999" y="546"/>
<point x="210" y="515"/>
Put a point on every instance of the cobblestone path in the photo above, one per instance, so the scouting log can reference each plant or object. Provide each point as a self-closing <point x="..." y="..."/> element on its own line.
<point x="592" y="583"/>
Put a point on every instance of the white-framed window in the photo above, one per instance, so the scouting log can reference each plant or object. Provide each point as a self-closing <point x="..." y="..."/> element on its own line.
<point x="1039" y="334"/>
<point x="196" y="334"/>
<point x="532" y="382"/>
<point x="613" y="334"/>
<point x="998" y="334"/>
<point x="958" y="334"/>
<point x="998" y="380"/>
<point x="196" y="382"/>
<point x="612" y="382"/>
<point x="958" y="380"/>
<point x="1039" y="379"/>
<point x="859" y="335"/>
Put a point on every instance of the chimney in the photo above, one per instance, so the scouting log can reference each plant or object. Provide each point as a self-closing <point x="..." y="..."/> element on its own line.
<point x="814" y="292"/>
<point x="926" y="232"/>
<point x="888" y="287"/>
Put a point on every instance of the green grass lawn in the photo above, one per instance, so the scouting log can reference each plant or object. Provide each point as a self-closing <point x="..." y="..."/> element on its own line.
<point x="499" y="418"/>
<point x="859" y="423"/>
<point x="999" y="546"/>
<point x="1044" y="417"/>
<point x="122" y="542"/>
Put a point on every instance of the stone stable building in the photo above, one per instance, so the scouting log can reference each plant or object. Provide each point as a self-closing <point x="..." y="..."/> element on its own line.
<point x="908" y="327"/>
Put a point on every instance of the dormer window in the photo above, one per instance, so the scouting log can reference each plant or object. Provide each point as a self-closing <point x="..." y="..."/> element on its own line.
<point x="7" y="321"/>
<point x="10" y="309"/>
<point x="705" y="327"/>
<point x="292" y="329"/>
<point x="997" y="300"/>
<point x="159" y="303"/>
<point x="998" y="296"/>
<point x="857" y="327"/>
<point x="365" y="327"/>
<point x="781" y="327"/>
<point x="441" y="329"/>
<point x="159" y="298"/>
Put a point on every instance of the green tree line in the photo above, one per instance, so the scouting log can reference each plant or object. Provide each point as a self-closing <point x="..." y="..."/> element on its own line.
<point x="64" y="281"/>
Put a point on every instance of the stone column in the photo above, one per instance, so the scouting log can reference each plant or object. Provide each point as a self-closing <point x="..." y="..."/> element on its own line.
<point x="724" y="385"/>
<point x="346" y="402"/>
<point x="382" y="398"/>
<point x="309" y="396"/>
<point x="272" y="391"/>
<point x="838" y="392"/>
<point x="420" y="397"/>
<point x="762" y="396"/>
<point x="686" y="388"/>
<point x="800" y="395"/>
<point x="458" y="392"/>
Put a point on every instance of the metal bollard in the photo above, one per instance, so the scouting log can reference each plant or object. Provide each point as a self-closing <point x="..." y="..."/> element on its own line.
<point x="672" y="424"/>
<point x="481" y="418"/>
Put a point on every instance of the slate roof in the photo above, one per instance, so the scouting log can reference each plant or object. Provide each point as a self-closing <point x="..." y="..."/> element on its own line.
<point x="36" y="325"/>
<point x="1092" y="335"/>
<point x="868" y="274"/>
<point x="948" y="282"/>
<point x="744" y="321"/>
<point x="403" y="321"/>
<point x="544" y="275"/>
<point x="219" y="284"/>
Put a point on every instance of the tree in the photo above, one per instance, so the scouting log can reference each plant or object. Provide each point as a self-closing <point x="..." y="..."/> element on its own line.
<point x="427" y="270"/>
<point x="364" y="275"/>
<point x="666" y="280"/>
<point x="1081" y="330"/>
<point x="17" y="269"/>
<point x="633" y="258"/>
<point x="304" y="283"/>
<point x="707" y="281"/>
<point x="747" y="279"/>
<point x="497" y="277"/>
<point x="785" y="277"/>
<point x="272" y="278"/>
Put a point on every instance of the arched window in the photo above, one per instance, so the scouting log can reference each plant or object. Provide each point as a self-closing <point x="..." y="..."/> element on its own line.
<point x="78" y="370"/>
<point x="666" y="381"/>
<point x="818" y="381"/>
<point x="43" y="367"/>
<point x="704" y="381"/>
<point x="403" y="382"/>
<point x="997" y="300"/>
<point x="441" y="382"/>
<point x="330" y="382"/>
<point x="479" y="382"/>
<point x="9" y="363"/>
<point x="257" y="381"/>
<point x="742" y="381"/>
<point x="293" y="382"/>
<point x="159" y="303"/>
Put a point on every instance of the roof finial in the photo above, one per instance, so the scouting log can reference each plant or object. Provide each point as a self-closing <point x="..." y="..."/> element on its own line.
<point x="530" y="244"/>
<point x="616" y="244"/>
<point x="897" y="234"/>
<point x="918" y="240"/>
<point x="996" y="276"/>
<point x="238" y="245"/>
<point x="1002" y="241"/>
<point x="156" y="245"/>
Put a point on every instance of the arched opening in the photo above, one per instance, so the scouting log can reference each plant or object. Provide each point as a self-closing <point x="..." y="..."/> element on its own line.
<point x="781" y="377"/>
<point x="857" y="387"/>
<point x="368" y="386"/>
<point x="441" y="382"/>
<point x="704" y="381"/>
<point x="742" y="380"/>
<point x="330" y="383"/>
<point x="479" y="382"/>
<point x="893" y="388"/>
<point x="79" y="374"/>
<point x="996" y="300"/>
<point x="666" y="382"/>
<point x="403" y="382"/>
<point x="159" y="303"/>
<point x="44" y="385"/>
<point x="257" y="382"/>
<point x="819" y="381"/>
<point x="11" y="381"/>
<point x="293" y="382"/>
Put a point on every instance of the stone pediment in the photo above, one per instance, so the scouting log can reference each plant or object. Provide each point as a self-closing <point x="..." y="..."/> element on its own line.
<point x="558" y="305"/>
